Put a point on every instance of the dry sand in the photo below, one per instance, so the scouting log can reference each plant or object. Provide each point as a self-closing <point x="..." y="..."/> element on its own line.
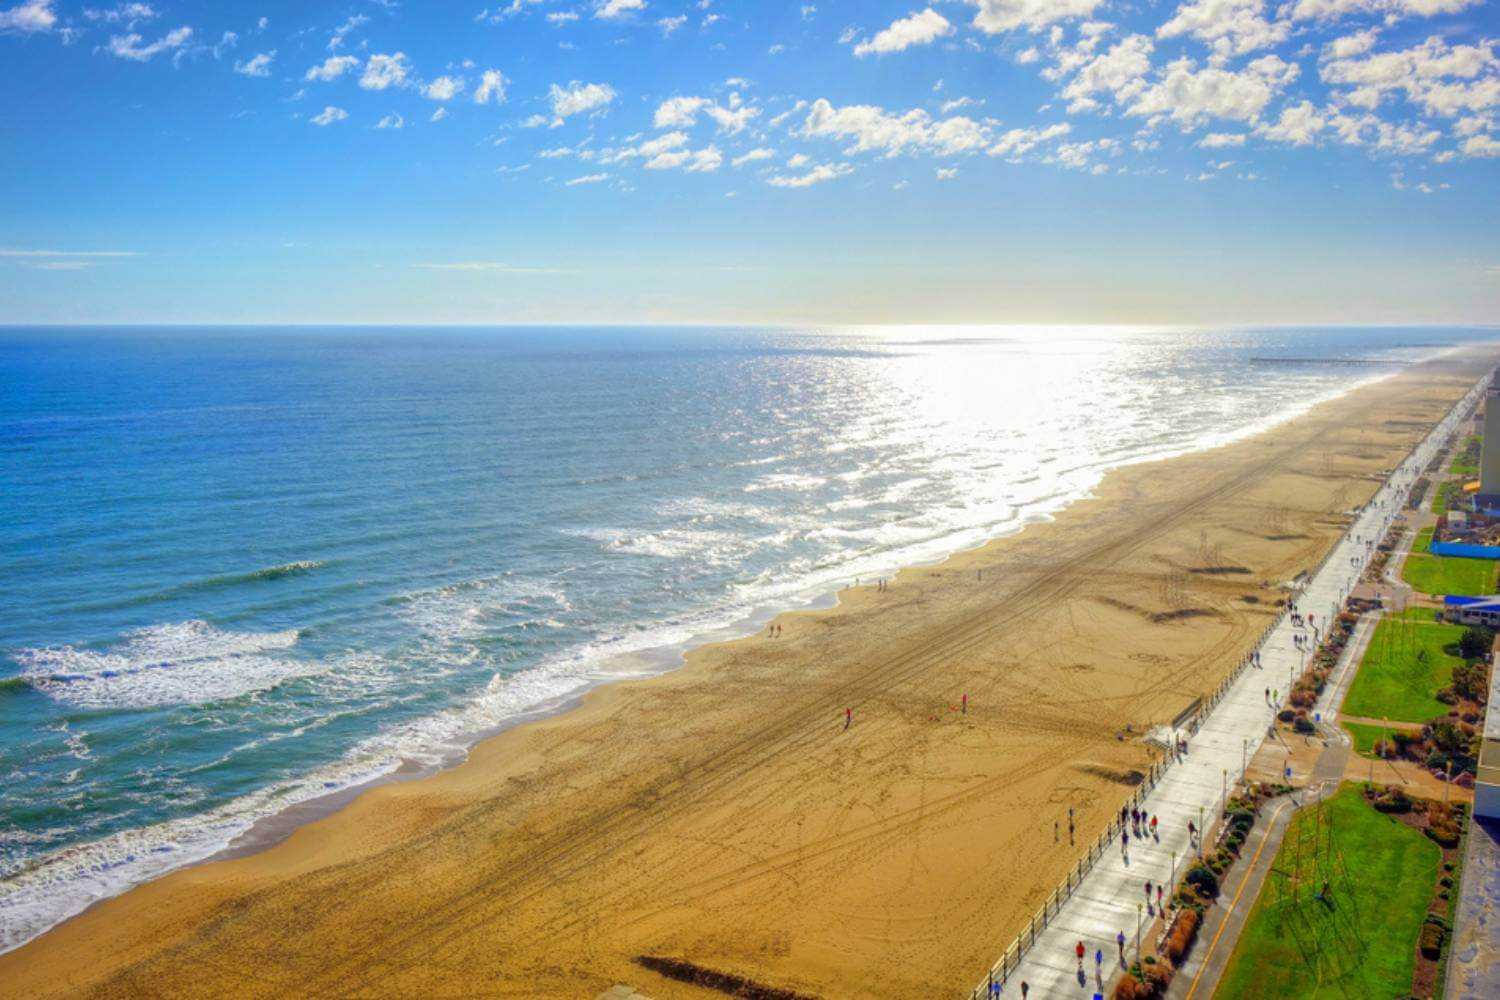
<point x="719" y="814"/>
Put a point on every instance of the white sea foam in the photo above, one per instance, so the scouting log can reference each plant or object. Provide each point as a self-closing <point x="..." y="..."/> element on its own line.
<point x="188" y="662"/>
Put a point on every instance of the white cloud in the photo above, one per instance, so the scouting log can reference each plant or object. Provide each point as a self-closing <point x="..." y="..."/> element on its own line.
<point x="683" y="112"/>
<point x="1394" y="10"/>
<point x="439" y="115"/>
<point x="679" y="112"/>
<point x="444" y="88"/>
<point x="1299" y="125"/>
<point x="383" y="71"/>
<point x="491" y="87"/>
<point x="329" y="115"/>
<point x="1443" y="79"/>
<point x="331" y="68"/>
<point x="695" y="161"/>
<point x="1222" y="140"/>
<point x="1189" y="95"/>
<point x="996" y="16"/>
<point x="759" y="153"/>
<point x="579" y="98"/>
<point x="129" y="13"/>
<point x="1481" y="145"/>
<point x="1120" y="72"/>
<point x="611" y="10"/>
<point x="1020" y="141"/>
<point x="1232" y="27"/>
<point x="587" y="179"/>
<point x="921" y="28"/>
<point x="1356" y="44"/>
<point x="391" y="120"/>
<point x="671" y="24"/>
<point x="130" y="47"/>
<point x="256" y="65"/>
<point x="559" y="18"/>
<point x="817" y="175"/>
<point x="947" y="173"/>
<point x="873" y="129"/>
<point x="336" y="39"/>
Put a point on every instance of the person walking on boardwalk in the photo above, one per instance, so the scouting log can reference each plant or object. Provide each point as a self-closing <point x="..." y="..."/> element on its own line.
<point x="1124" y="841"/>
<point x="1148" y="896"/>
<point x="1120" y="940"/>
<point x="1081" y="951"/>
<point x="1153" y="826"/>
<point x="1158" y="895"/>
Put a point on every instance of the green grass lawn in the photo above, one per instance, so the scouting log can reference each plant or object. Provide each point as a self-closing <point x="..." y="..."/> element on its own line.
<point x="1403" y="668"/>
<point x="1462" y="465"/>
<point x="1364" y="737"/>
<point x="1446" y="574"/>
<point x="1392" y="873"/>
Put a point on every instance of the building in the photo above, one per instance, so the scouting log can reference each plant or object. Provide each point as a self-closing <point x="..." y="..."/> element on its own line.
<point x="1473" y="610"/>
<point x="1487" y="778"/>
<point x="1489" y="453"/>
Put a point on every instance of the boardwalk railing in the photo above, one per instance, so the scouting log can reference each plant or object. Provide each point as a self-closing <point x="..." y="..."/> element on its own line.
<point x="1010" y="959"/>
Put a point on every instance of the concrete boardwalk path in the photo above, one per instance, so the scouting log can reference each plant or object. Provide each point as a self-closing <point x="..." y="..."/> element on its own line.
<point x="1110" y="898"/>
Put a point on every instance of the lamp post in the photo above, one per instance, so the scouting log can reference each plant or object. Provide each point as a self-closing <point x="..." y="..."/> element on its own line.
<point x="1138" y="935"/>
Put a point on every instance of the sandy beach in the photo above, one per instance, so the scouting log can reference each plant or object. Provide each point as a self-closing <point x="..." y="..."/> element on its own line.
<point x="722" y="814"/>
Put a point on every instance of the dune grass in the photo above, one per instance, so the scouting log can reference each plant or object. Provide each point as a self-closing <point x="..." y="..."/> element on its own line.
<point x="1392" y="868"/>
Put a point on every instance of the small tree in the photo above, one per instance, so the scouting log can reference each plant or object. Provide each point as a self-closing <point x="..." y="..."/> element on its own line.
<point x="1476" y="642"/>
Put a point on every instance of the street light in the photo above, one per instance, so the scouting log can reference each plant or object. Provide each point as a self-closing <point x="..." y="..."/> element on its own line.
<point x="1138" y="935"/>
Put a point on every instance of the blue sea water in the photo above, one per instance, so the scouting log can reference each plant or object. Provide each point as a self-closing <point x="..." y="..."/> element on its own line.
<point x="244" y="568"/>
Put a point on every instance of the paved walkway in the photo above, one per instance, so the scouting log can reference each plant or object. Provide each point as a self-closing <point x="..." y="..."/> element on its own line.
<point x="1110" y="897"/>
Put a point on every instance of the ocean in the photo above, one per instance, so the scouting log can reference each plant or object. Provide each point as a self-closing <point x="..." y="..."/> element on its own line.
<point x="247" y="568"/>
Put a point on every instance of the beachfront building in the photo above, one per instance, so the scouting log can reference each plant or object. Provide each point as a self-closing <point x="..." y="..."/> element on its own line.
<point x="1487" y="778"/>
<point x="1473" y="610"/>
<point x="1489" y="454"/>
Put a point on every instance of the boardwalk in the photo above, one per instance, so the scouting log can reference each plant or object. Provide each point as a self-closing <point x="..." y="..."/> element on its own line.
<point x="1110" y="899"/>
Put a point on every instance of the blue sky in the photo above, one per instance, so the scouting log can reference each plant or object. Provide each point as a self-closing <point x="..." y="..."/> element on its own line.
<point x="1028" y="161"/>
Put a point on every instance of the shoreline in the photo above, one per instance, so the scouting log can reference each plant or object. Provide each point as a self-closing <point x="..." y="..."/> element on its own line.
<point x="580" y="703"/>
<point x="273" y="828"/>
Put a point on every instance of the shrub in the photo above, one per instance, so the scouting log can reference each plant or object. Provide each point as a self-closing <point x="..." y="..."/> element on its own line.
<point x="1203" y="879"/>
<point x="1180" y="937"/>
<point x="1304" y="726"/>
<point x="1286" y="715"/>
<point x="1445" y="833"/>
<point x="1393" y="800"/>
<point x="1475" y="642"/>
<point x="1431" y="941"/>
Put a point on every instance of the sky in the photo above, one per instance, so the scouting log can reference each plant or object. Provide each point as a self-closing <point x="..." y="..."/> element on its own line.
<point x="746" y="161"/>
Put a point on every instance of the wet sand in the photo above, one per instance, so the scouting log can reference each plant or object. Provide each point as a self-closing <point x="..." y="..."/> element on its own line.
<point x="721" y="814"/>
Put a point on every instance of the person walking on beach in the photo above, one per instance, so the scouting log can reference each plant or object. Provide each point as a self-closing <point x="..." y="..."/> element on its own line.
<point x="848" y="718"/>
<point x="1070" y="826"/>
<point x="966" y="704"/>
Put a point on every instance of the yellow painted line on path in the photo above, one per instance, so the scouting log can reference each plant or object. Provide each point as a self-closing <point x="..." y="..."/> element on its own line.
<point x="1233" y="903"/>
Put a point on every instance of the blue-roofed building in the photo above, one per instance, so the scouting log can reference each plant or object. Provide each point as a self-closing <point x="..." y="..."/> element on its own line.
<point x="1473" y="610"/>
